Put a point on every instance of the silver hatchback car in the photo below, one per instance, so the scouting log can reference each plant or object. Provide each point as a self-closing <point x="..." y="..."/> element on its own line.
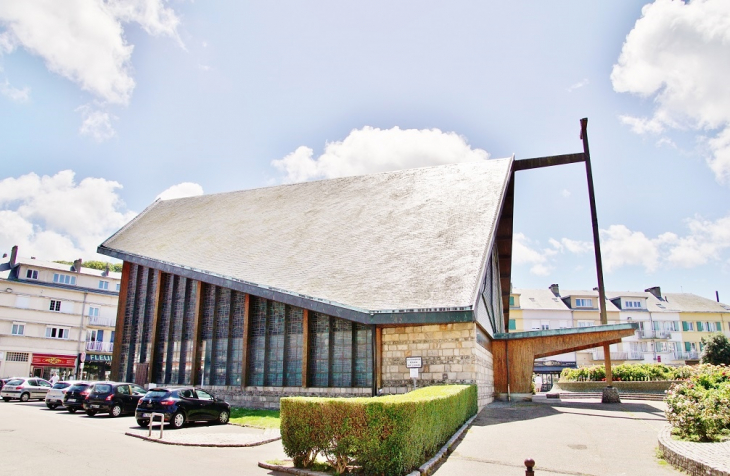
<point x="54" y="397"/>
<point x="24" y="389"/>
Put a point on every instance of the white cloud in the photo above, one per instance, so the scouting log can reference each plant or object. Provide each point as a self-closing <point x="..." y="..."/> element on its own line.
<point x="679" y="53"/>
<point x="181" y="190"/>
<point x="84" y="41"/>
<point x="96" y="124"/>
<point x="565" y="193"/>
<point x="524" y="252"/>
<point x="54" y="217"/>
<point x="370" y="150"/>
<point x="621" y="247"/>
<point x="14" y="94"/>
<point x="578" y="85"/>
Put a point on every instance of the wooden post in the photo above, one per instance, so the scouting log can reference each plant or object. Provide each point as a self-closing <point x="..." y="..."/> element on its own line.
<point x="153" y="336"/>
<point x="119" y="327"/>
<point x="305" y="347"/>
<point x="246" y="317"/>
<point x="195" y="369"/>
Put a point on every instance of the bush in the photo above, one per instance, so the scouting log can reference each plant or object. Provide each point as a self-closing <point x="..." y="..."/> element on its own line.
<point x="716" y="349"/>
<point x="699" y="409"/>
<point x="627" y="372"/>
<point x="386" y="435"/>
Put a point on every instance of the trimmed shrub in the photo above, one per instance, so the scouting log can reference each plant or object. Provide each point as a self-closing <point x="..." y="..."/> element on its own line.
<point x="699" y="408"/>
<point x="627" y="373"/>
<point x="385" y="435"/>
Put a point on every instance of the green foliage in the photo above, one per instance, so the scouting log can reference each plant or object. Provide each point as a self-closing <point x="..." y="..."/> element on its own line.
<point x="385" y="435"/>
<point x="627" y="372"/>
<point x="256" y="418"/>
<point x="716" y="349"/>
<point x="699" y="408"/>
<point x="100" y="265"/>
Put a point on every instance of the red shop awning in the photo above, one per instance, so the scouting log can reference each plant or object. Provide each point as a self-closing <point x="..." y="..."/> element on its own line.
<point x="50" y="360"/>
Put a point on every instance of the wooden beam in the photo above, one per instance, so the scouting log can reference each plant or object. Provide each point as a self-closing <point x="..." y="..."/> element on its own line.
<point x="246" y="317"/>
<point x="155" y="317"/>
<point x="305" y="346"/>
<point x="119" y="327"/>
<point x="195" y="369"/>
<point x="549" y="161"/>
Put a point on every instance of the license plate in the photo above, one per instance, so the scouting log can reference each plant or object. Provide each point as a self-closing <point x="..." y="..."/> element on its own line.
<point x="71" y="400"/>
<point x="145" y="415"/>
<point x="94" y="406"/>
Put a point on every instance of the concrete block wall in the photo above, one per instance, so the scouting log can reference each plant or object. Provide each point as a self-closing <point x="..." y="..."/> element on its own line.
<point x="449" y="353"/>
<point x="268" y="397"/>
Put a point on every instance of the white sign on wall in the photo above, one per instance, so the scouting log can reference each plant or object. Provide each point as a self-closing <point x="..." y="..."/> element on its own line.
<point x="414" y="362"/>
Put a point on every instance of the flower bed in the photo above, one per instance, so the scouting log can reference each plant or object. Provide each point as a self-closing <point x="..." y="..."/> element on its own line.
<point x="628" y="373"/>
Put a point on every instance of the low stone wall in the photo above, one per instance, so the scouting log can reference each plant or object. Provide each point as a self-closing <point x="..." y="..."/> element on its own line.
<point x="653" y="386"/>
<point x="268" y="397"/>
<point x="696" y="459"/>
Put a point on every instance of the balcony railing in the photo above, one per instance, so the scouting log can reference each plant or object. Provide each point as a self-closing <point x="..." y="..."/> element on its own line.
<point x="102" y="321"/>
<point x="100" y="346"/>
<point x="599" y="355"/>
<point x="636" y="356"/>
<point x="693" y="355"/>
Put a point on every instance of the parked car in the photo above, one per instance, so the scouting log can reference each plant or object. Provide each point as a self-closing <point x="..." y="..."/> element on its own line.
<point x="24" y="389"/>
<point x="3" y="381"/>
<point x="180" y="405"/>
<point x="114" y="398"/>
<point x="74" y="398"/>
<point x="54" y="397"/>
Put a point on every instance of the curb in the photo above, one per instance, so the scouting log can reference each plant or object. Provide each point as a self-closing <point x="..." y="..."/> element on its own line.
<point x="424" y="470"/>
<point x="209" y="445"/>
<point x="705" y="459"/>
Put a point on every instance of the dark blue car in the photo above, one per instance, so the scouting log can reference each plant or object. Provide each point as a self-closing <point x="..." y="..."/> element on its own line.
<point x="180" y="405"/>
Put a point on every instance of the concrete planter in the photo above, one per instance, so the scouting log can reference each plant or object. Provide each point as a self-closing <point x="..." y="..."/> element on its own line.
<point x="652" y="386"/>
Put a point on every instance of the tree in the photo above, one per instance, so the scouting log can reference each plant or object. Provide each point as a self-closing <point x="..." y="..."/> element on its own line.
<point x="716" y="349"/>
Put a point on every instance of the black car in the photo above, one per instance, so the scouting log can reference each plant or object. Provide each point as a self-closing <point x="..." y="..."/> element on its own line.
<point x="180" y="405"/>
<point x="74" y="398"/>
<point x="114" y="398"/>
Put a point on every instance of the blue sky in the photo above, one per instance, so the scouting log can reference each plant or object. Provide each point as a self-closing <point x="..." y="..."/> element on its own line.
<point x="106" y="105"/>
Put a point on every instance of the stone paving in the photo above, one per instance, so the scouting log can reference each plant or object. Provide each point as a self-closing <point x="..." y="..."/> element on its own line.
<point x="711" y="459"/>
<point x="209" y="435"/>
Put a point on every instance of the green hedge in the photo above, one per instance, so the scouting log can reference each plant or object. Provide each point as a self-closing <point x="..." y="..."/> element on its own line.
<point x="627" y="373"/>
<point x="383" y="435"/>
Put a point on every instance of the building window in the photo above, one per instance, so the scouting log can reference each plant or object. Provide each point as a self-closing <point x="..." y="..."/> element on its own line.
<point x="688" y="326"/>
<point x="511" y="301"/>
<point x="673" y="326"/>
<point x="93" y="311"/>
<point x="700" y="326"/>
<point x="56" y="333"/>
<point x="512" y="324"/>
<point x="55" y="305"/>
<point x="18" y="329"/>
<point x="586" y="323"/>
<point x="64" y="279"/>
<point x="103" y="284"/>
<point x="94" y="335"/>
<point x="583" y="302"/>
<point x="17" y="356"/>
<point x="31" y="274"/>
<point x="633" y="304"/>
<point x="119" y="286"/>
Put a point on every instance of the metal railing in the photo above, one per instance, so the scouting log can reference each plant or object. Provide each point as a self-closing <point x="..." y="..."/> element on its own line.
<point x="692" y="355"/>
<point x="102" y="321"/>
<point x="652" y="334"/>
<point x="635" y="356"/>
<point x="599" y="355"/>
<point x="100" y="346"/>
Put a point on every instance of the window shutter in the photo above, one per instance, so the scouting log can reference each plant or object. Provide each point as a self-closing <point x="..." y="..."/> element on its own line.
<point x="687" y="346"/>
<point x="685" y="327"/>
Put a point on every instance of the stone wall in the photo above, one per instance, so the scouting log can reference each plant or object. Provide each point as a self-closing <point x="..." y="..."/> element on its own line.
<point x="651" y="386"/>
<point x="268" y="397"/>
<point x="449" y="352"/>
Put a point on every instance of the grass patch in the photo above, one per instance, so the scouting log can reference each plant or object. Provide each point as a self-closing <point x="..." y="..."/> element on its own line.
<point x="256" y="418"/>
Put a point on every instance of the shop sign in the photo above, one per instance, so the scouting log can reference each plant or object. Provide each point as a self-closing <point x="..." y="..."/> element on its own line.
<point x="98" y="358"/>
<point x="50" y="360"/>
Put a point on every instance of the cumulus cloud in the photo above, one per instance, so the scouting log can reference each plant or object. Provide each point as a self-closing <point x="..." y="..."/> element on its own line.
<point x="181" y="190"/>
<point x="370" y="150"/>
<point x="55" y="217"/>
<point x="679" y="54"/>
<point x="83" y="40"/>
<point x="526" y="252"/>
<point x="14" y="94"/>
<point x="97" y="124"/>
<point x="578" y="85"/>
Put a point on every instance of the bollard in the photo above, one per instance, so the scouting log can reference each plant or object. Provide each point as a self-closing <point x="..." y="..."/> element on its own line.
<point x="529" y="463"/>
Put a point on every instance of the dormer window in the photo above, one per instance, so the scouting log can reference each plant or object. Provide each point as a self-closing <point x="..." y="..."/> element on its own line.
<point x="582" y="302"/>
<point x="632" y="304"/>
<point x="64" y="279"/>
<point x="31" y="274"/>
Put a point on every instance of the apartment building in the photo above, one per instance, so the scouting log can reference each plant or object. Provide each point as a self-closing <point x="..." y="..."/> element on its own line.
<point x="699" y="318"/>
<point x="56" y="318"/>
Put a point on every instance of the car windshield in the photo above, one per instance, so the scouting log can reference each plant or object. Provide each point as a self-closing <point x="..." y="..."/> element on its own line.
<point x="102" y="388"/>
<point x="17" y="381"/>
<point x="61" y="385"/>
<point x="79" y="387"/>
<point x="157" y="394"/>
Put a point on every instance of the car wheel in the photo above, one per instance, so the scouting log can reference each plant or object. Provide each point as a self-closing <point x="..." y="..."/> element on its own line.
<point x="115" y="411"/>
<point x="72" y="409"/>
<point x="143" y="423"/>
<point x="25" y="397"/>
<point x="177" y="420"/>
<point x="6" y="399"/>
<point x="52" y="406"/>
<point x="90" y="412"/>
<point x="223" y="417"/>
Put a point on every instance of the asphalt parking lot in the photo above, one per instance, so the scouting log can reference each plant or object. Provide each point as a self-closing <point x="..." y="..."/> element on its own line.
<point x="37" y="441"/>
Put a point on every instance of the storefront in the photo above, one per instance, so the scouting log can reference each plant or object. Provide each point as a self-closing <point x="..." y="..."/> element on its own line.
<point x="45" y="365"/>
<point x="97" y="367"/>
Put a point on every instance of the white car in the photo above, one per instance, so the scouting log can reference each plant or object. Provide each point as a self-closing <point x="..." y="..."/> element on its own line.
<point x="24" y="389"/>
<point x="54" y="397"/>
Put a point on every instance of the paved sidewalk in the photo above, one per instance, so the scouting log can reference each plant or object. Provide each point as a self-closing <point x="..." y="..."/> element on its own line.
<point x="564" y="438"/>
<point x="209" y="435"/>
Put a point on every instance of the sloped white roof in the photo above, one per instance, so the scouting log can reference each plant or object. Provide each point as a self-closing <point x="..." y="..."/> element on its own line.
<point x="535" y="299"/>
<point x="685" y="302"/>
<point x="411" y="239"/>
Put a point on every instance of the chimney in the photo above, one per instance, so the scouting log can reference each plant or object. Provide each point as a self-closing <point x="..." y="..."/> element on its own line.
<point x="656" y="291"/>
<point x="555" y="289"/>
<point x="106" y="270"/>
<point x="77" y="265"/>
<point x="13" y="256"/>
